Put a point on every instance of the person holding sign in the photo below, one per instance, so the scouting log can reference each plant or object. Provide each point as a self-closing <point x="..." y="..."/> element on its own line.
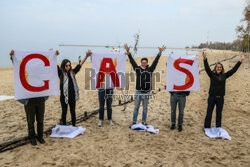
<point x="143" y="82"/>
<point x="108" y="73"/>
<point x="182" y="77"/>
<point x="69" y="88"/>
<point x="34" y="108"/>
<point x="218" y="79"/>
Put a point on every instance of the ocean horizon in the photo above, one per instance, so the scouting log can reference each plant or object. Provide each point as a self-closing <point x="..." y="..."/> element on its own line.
<point x="73" y="53"/>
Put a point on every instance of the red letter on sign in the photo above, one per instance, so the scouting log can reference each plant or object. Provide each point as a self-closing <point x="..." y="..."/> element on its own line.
<point x="107" y="66"/>
<point x="190" y="79"/>
<point x="25" y="84"/>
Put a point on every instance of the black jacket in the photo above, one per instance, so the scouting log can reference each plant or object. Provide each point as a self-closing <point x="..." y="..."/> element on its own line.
<point x="144" y="76"/>
<point x="71" y="88"/>
<point x="218" y="81"/>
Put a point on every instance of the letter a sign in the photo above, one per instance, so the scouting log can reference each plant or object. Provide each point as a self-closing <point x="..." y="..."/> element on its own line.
<point x="183" y="73"/>
<point x="35" y="74"/>
<point x="108" y="70"/>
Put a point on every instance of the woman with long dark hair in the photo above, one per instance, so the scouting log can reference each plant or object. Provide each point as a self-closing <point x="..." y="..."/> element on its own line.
<point x="69" y="88"/>
<point x="218" y="79"/>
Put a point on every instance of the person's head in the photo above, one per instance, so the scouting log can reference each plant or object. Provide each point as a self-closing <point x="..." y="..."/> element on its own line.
<point x="66" y="65"/>
<point x="218" y="68"/>
<point x="144" y="62"/>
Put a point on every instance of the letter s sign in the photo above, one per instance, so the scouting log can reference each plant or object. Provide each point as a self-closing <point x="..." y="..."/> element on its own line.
<point x="190" y="78"/>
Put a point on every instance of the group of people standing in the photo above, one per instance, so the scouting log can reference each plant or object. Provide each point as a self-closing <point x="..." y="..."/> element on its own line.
<point x="69" y="94"/>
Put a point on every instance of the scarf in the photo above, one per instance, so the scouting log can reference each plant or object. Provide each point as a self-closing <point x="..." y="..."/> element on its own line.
<point x="66" y="86"/>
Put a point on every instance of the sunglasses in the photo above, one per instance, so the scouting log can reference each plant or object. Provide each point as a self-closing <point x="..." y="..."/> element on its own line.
<point x="67" y="65"/>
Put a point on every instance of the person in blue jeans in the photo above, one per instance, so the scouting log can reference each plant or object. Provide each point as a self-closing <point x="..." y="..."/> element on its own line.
<point x="143" y="82"/>
<point x="144" y="97"/>
<point x="105" y="95"/>
<point x="178" y="97"/>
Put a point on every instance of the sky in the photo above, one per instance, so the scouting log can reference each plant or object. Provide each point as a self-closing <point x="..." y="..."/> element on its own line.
<point x="44" y="24"/>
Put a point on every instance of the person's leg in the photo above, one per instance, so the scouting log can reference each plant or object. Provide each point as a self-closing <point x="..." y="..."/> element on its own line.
<point x="210" y="108"/>
<point x="72" y="105"/>
<point x="30" y="109"/>
<point x="137" y="106"/>
<point x="101" y="96"/>
<point x="109" y="99"/>
<point x="145" y="99"/>
<point x="64" y="110"/>
<point x="173" y="103"/>
<point x="219" y="108"/>
<point x="40" y="109"/>
<point x="181" y="106"/>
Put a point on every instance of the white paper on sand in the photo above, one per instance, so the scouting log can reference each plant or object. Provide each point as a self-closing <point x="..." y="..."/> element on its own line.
<point x="108" y="70"/>
<point x="35" y="74"/>
<point x="217" y="133"/>
<point x="182" y="73"/>
<point x="67" y="131"/>
<point x="145" y="128"/>
<point x="2" y="97"/>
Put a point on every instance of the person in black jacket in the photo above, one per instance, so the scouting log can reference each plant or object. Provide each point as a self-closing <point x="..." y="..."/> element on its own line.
<point x="143" y="82"/>
<point x="69" y="88"/>
<point x="218" y="79"/>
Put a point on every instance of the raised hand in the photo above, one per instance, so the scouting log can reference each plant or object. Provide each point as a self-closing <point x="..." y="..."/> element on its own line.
<point x="204" y="55"/>
<point x="11" y="55"/>
<point x="57" y="52"/>
<point x="127" y="48"/>
<point x="243" y="57"/>
<point x="161" y="49"/>
<point x="88" y="53"/>
<point x="11" y="52"/>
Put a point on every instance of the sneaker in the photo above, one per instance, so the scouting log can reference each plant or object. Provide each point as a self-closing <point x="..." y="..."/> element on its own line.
<point x="110" y="122"/>
<point x="172" y="127"/>
<point x="33" y="142"/>
<point x="100" y="123"/>
<point x="180" y="128"/>
<point x="144" y="123"/>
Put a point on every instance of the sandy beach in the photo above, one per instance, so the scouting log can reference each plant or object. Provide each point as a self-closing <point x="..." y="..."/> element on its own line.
<point x="118" y="146"/>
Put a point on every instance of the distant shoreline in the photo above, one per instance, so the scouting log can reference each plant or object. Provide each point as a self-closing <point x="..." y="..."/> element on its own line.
<point x="137" y="56"/>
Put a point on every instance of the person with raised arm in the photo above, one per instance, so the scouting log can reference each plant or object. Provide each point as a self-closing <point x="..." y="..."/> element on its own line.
<point x="69" y="87"/>
<point x="34" y="109"/>
<point x="218" y="78"/>
<point x="143" y="82"/>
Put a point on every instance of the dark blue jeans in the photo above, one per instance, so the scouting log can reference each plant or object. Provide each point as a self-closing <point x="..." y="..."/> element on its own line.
<point x="212" y="101"/>
<point x="105" y="95"/>
<point x="181" y="101"/>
